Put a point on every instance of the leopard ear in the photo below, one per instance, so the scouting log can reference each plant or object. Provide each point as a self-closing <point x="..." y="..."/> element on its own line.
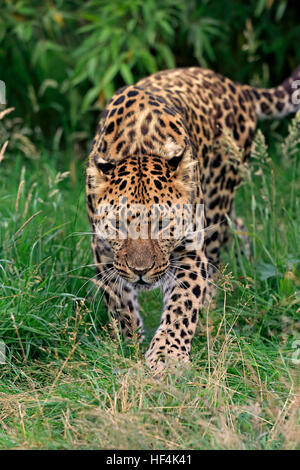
<point x="104" y="167"/>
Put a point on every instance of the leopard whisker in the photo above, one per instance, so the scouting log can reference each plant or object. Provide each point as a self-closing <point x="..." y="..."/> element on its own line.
<point x="189" y="271"/>
<point x="93" y="265"/>
<point x="208" y="263"/>
<point x="92" y="278"/>
<point x="107" y="279"/>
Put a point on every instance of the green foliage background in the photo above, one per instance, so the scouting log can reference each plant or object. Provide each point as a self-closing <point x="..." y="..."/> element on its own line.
<point x="62" y="59"/>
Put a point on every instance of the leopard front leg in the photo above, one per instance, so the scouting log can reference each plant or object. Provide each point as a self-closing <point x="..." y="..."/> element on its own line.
<point x="184" y="296"/>
<point x="123" y="307"/>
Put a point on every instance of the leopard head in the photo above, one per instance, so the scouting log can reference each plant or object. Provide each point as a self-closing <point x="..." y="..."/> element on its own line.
<point x="135" y="200"/>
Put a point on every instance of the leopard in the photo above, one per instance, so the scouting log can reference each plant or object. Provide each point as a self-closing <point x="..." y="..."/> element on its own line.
<point x="162" y="143"/>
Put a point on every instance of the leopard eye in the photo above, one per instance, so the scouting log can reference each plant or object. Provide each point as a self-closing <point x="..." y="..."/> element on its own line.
<point x="105" y="167"/>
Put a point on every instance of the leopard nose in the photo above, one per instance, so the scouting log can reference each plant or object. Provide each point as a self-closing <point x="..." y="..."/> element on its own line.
<point x="140" y="256"/>
<point x="140" y="271"/>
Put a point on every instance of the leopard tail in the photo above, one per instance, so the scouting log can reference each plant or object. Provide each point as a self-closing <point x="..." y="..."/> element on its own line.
<point x="279" y="101"/>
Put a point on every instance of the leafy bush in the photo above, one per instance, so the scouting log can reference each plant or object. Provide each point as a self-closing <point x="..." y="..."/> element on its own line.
<point x="62" y="60"/>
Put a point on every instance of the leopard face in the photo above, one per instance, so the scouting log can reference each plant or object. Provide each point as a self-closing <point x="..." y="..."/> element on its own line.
<point x="138" y="204"/>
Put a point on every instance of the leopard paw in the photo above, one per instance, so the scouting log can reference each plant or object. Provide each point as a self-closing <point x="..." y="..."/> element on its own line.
<point x="169" y="360"/>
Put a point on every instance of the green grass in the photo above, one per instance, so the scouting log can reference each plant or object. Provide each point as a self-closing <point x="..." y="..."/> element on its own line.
<point x="68" y="384"/>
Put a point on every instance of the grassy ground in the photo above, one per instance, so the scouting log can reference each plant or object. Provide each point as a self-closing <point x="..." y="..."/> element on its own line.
<point x="68" y="384"/>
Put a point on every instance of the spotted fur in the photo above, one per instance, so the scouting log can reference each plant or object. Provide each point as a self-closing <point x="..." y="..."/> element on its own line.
<point x="161" y="141"/>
